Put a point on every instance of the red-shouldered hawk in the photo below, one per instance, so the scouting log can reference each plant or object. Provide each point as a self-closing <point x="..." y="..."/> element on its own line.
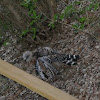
<point x="47" y="56"/>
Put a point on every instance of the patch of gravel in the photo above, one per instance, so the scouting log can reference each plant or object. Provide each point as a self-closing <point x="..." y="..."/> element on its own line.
<point x="10" y="90"/>
<point x="81" y="81"/>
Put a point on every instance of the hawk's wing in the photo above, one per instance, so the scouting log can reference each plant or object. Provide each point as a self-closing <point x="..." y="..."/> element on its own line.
<point x="44" y="51"/>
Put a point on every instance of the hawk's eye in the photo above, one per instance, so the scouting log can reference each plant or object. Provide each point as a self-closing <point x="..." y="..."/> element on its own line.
<point x="27" y="56"/>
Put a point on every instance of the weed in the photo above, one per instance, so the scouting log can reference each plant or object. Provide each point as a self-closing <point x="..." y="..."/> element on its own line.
<point x="75" y="11"/>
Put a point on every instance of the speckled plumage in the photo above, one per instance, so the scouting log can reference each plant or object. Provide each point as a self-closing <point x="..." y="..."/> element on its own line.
<point x="47" y="56"/>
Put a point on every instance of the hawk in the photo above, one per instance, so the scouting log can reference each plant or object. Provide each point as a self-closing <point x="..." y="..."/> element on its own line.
<point x="43" y="57"/>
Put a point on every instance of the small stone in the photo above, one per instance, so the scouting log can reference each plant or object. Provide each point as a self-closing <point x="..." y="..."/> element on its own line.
<point x="97" y="47"/>
<point x="2" y="98"/>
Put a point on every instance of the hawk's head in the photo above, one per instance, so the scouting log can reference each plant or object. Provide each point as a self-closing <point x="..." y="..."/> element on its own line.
<point x="27" y="56"/>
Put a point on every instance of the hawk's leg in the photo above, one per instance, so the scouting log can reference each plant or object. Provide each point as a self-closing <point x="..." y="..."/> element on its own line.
<point x="39" y="71"/>
<point x="48" y="64"/>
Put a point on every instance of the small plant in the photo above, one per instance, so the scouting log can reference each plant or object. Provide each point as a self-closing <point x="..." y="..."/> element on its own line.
<point x="75" y="11"/>
<point x="79" y="15"/>
<point x="80" y="24"/>
<point x="30" y="5"/>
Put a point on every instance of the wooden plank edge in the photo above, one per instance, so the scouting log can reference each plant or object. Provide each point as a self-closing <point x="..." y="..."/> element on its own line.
<point x="33" y="83"/>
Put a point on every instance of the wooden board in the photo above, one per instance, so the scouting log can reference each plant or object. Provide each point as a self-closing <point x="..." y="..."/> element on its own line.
<point x="31" y="82"/>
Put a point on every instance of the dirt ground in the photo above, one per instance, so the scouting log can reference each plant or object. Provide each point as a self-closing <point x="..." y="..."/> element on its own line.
<point x="81" y="81"/>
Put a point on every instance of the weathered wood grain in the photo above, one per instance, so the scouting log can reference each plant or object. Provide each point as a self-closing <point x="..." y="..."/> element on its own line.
<point x="31" y="82"/>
